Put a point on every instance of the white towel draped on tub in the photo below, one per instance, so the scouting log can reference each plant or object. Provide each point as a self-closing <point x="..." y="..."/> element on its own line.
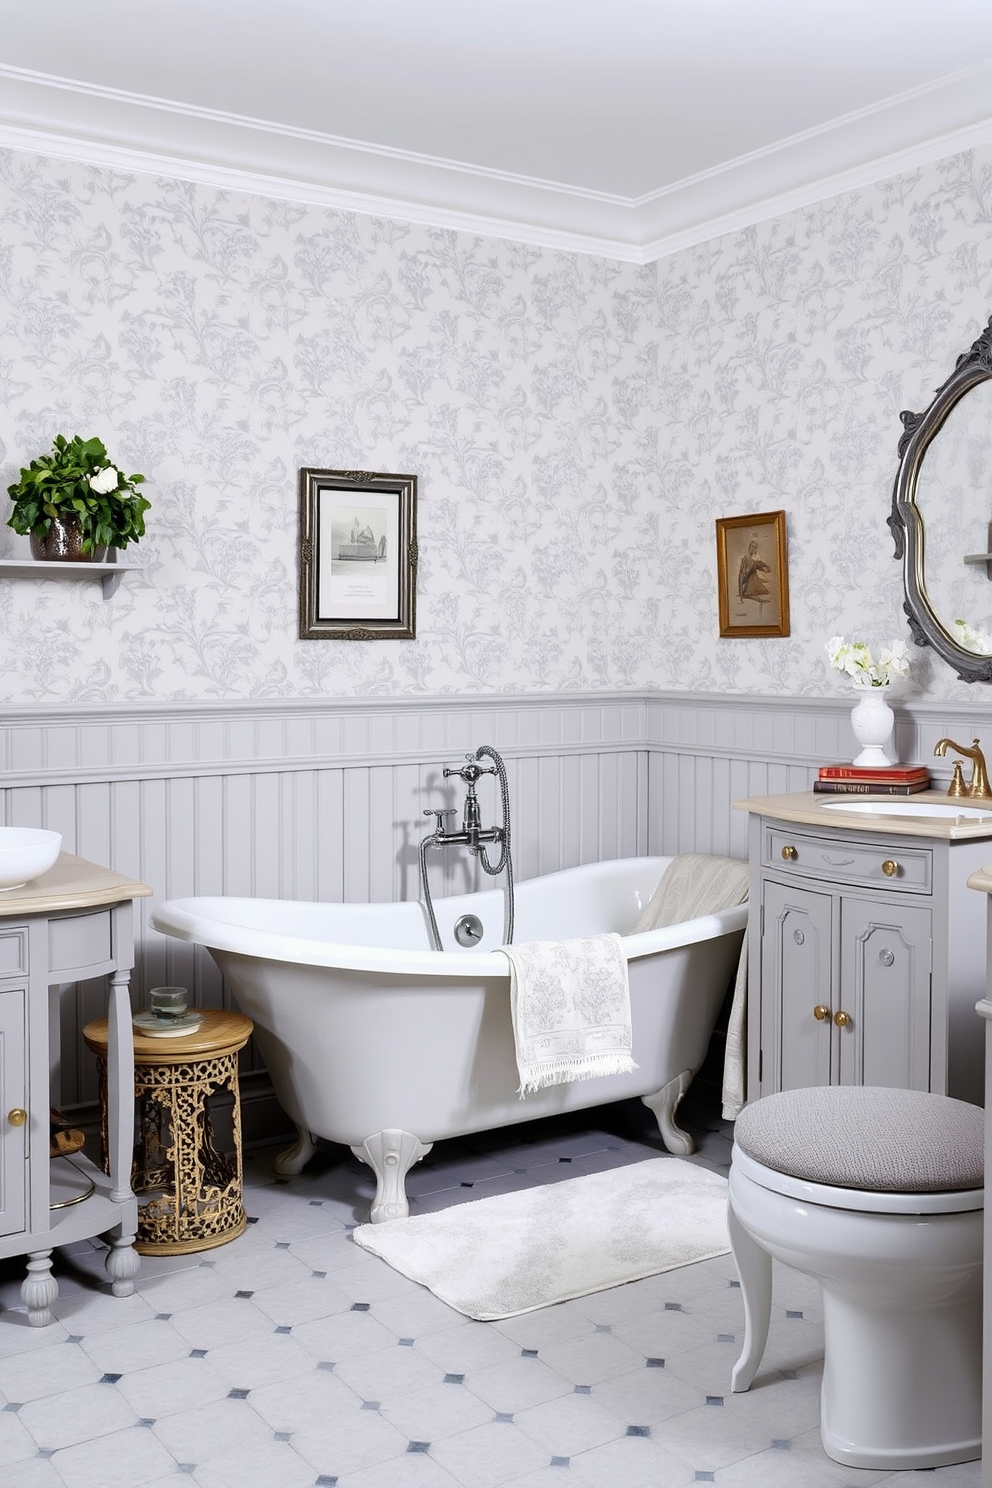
<point x="696" y="884"/>
<point x="570" y="1004"/>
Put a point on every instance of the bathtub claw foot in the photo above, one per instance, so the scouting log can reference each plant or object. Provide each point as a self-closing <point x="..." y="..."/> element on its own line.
<point x="295" y="1158"/>
<point x="664" y="1103"/>
<point x="391" y="1154"/>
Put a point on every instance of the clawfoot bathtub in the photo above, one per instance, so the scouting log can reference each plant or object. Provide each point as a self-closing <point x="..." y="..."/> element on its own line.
<point x="373" y="1040"/>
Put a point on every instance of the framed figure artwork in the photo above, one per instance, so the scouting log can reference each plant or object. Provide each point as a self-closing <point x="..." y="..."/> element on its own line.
<point x="752" y="575"/>
<point x="358" y="555"/>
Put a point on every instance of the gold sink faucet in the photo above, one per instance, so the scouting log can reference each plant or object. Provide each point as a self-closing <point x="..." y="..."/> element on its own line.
<point x="978" y="787"/>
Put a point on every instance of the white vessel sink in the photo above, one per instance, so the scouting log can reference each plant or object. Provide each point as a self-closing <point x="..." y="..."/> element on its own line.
<point x="910" y="808"/>
<point x="25" y="853"/>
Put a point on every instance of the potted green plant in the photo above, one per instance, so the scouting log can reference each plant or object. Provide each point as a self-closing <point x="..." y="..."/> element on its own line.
<point x="75" y="503"/>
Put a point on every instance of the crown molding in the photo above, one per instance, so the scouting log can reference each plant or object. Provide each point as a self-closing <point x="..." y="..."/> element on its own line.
<point x="113" y="129"/>
<point x="286" y="187"/>
<point x="762" y="207"/>
<point x="901" y="134"/>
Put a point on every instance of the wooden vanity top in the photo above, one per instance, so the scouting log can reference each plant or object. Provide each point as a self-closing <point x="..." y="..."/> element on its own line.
<point x="808" y="808"/>
<point x="73" y="883"/>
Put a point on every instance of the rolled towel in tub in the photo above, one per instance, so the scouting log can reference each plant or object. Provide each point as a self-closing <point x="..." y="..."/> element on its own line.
<point x="570" y="1005"/>
<point x="697" y="884"/>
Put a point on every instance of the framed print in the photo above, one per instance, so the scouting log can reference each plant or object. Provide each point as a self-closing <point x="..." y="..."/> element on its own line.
<point x="752" y="575"/>
<point x="358" y="555"/>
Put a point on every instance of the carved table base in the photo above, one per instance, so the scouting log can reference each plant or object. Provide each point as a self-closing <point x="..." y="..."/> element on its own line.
<point x="192" y="1192"/>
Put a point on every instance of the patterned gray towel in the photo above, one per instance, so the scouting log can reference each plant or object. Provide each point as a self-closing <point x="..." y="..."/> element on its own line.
<point x="570" y="1004"/>
<point x="692" y="885"/>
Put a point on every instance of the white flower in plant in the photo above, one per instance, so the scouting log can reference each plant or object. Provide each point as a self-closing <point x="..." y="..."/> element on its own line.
<point x="893" y="660"/>
<point x="836" y="648"/>
<point x="104" y="481"/>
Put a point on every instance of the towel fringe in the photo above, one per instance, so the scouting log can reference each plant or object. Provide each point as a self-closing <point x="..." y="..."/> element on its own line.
<point x="557" y="1071"/>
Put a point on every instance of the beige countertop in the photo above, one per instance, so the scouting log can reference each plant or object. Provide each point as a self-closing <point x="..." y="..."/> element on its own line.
<point x="814" y="810"/>
<point x="73" y="883"/>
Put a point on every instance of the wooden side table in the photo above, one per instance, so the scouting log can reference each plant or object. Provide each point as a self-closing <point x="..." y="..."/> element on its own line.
<point x="195" y="1192"/>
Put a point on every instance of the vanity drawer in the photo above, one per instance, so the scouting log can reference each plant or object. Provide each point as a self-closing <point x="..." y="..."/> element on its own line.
<point x="850" y="861"/>
<point x="80" y="944"/>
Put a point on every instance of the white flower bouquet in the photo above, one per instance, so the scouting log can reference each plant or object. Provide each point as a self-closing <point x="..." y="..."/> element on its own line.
<point x="855" y="659"/>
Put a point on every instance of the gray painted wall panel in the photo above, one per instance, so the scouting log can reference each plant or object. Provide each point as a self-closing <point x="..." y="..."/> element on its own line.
<point x="305" y="800"/>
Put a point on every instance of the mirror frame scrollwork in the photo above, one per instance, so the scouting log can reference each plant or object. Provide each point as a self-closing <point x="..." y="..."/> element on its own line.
<point x="906" y="522"/>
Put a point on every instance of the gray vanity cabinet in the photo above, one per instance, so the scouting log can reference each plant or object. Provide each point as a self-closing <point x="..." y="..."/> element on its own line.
<point x="866" y="959"/>
<point x="71" y="924"/>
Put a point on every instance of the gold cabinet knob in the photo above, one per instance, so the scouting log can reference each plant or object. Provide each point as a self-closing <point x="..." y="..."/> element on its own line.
<point x="842" y="1019"/>
<point x="17" y="1117"/>
<point x="821" y="1013"/>
<point x="789" y="854"/>
<point x="890" y="868"/>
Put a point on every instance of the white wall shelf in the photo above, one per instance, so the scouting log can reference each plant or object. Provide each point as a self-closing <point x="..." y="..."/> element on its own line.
<point x="41" y="568"/>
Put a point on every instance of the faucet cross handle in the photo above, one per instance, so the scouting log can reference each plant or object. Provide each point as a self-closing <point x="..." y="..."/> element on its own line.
<point x="439" y="815"/>
<point x="470" y="772"/>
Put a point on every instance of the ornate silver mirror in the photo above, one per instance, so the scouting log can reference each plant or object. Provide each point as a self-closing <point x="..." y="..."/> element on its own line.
<point x="941" y="517"/>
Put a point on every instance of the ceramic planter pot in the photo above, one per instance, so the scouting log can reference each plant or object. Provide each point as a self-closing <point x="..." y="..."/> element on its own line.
<point x="63" y="543"/>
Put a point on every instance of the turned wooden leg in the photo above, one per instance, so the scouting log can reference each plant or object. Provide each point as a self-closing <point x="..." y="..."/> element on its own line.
<point x="39" y="1288"/>
<point x="391" y="1155"/>
<point x="122" y="1263"/>
<point x="664" y="1103"/>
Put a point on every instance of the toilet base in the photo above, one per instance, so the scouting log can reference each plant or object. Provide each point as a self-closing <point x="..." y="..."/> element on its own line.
<point x="901" y="1387"/>
<point x="892" y="1460"/>
<point x="902" y="1301"/>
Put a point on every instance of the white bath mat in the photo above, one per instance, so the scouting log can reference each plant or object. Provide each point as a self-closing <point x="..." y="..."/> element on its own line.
<point x="494" y="1258"/>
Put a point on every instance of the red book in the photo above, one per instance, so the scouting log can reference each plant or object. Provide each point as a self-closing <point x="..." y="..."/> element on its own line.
<point x="872" y="788"/>
<point x="901" y="774"/>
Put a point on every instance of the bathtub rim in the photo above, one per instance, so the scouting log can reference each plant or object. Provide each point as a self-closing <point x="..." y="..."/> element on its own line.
<point x="188" y="919"/>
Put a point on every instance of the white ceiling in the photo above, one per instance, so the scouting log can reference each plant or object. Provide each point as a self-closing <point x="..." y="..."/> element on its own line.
<point x="628" y="127"/>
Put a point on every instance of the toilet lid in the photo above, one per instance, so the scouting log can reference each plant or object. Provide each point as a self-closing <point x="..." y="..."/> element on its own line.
<point x="857" y="1200"/>
<point x="867" y="1138"/>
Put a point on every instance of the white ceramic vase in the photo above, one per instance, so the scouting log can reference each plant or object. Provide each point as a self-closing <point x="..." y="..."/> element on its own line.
<point x="873" y="721"/>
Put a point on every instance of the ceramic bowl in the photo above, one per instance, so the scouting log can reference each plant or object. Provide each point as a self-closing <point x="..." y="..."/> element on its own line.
<point x="26" y="852"/>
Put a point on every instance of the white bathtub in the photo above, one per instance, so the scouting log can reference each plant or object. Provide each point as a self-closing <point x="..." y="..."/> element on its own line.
<point x="376" y="1041"/>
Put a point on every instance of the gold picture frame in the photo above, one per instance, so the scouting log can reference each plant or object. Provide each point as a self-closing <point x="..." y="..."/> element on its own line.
<point x="752" y="575"/>
<point x="358" y="556"/>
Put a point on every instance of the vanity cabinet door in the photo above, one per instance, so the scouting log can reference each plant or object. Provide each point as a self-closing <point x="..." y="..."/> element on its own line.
<point x="13" y="1098"/>
<point x="885" y="971"/>
<point x="796" y="982"/>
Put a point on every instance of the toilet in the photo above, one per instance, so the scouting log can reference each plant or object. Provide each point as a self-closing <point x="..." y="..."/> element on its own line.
<point x="878" y="1194"/>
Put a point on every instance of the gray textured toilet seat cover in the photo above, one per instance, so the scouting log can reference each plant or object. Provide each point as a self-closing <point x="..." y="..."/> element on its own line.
<point x="867" y="1137"/>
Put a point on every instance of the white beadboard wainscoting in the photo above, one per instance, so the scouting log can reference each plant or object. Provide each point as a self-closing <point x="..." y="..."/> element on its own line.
<point x="325" y="800"/>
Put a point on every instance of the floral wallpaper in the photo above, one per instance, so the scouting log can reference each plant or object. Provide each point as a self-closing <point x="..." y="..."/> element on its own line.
<point x="577" y="425"/>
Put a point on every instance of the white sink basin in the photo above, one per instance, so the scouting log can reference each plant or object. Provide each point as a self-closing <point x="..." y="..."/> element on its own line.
<point x="25" y="853"/>
<point x="911" y="808"/>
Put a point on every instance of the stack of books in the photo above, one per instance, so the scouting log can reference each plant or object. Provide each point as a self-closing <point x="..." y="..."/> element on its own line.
<point x="891" y="780"/>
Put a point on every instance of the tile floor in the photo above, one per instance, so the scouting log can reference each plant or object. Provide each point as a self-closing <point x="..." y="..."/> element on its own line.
<point x="291" y="1357"/>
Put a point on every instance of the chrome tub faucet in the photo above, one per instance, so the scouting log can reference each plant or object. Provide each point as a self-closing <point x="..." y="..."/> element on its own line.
<point x="472" y="834"/>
